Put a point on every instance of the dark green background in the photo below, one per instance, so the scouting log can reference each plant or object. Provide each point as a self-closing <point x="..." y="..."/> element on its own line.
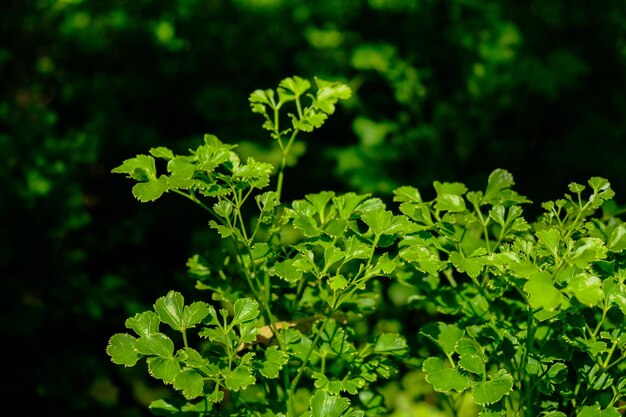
<point x="443" y="90"/>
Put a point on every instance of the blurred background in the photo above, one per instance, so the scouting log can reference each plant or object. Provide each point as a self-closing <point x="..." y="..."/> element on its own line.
<point x="443" y="90"/>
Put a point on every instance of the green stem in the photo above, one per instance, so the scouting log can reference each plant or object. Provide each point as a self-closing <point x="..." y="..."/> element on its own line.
<point x="294" y="382"/>
<point x="283" y="162"/>
<point x="198" y="202"/>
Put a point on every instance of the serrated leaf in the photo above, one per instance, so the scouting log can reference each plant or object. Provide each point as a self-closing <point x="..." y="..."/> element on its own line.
<point x="239" y="378"/>
<point x="192" y="358"/>
<point x="550" y="239"/>
<point x="245" y="309"/>
<point x="391" y="344"/>
<point x="155" y="345"/>
<point x="444" y="379"/>
<point x="140" y="168"/>
<point x="182" y="170"/>
<point x="144" y="324"/>
<point x="259" y="250"/>
<point x="446" y="336"/>
<point x="222" y="230"/>
<point x="163" y="368"/>
<point x="162" y="152"/>
<point x="473" y="266"/>
<point x="472" y="363"/>
<point x="555" y="414"/>
<point x="587" y="289"/>
<point x="292" y="87"/>
<point x="615" y="292"/>
<point x="498" y="180"/>
<point x="323" y="404"/>
<point x="286" y="270"/>
<point x="449" y="196"/>
<point x="542" y="293"/>
<point x="489" y="392"/>
<point x="151" y="190"/>
<point x="223" y="208"/>
<point x="121" y="349"/>
<point x="407" y="194"/>
<point x="588" y="250"/>
<point x="337" y="282"/>
<point x="190" y="382"/>
<point x="382" y="222"/>
<point x="423" y="258"/>
<point x="467" y="346"/>
<point x="596" y="411"/>
<point x="273" y="362"/>
<point x="172" y="311"/>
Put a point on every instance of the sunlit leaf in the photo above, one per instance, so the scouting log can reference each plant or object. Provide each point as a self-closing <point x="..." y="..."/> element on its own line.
<point x="444" y="379"/>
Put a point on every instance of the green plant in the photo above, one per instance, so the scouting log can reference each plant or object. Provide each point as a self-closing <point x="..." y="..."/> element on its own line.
<point x="519" y="319"/>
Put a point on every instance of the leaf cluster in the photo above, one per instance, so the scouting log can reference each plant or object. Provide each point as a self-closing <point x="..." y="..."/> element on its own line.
<point x="528" y="317"/>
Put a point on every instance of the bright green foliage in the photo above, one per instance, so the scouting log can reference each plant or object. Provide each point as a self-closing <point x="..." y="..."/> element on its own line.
<point x="529" y="315"/>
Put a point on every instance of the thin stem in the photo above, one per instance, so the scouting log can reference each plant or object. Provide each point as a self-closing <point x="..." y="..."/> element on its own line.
<point x="283" y="162"/>
<point x="294" y="382"/>
<point x="198" y="202"/>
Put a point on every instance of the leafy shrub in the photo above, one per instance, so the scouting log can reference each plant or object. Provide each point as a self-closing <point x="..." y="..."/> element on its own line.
<point x="519" y="318"/>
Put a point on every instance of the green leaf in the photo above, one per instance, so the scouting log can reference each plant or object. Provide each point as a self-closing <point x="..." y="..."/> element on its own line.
<point x="156" y="345"/>
<point x="140" y="168"/>
<point x="222" y="230"/>
<point x="163" y="368"/>
<point x="328" y="93"/>
<point x="239" y="378"/>
<point x="542" y="293"/>
<point x="586" y="288"/>
<point x="286" y="270"/>
<point x="489" y="392"/>
<point x="499" y="180"/>
<point x="151" y="190"/>
<point x="449" y="196"/>
<point x="292" y="87"/>
<point x="121" y="349"/>
<point x="192" y="358"/>
<point x="245" y="309"/>
<point x="163" y="408"/>
<point x="391" y="344"/>
<point x="615" y="292"/>
<point x="259" y="98"/>
<point x="550" y="239"/>
<point x="596" y="411"/>
<point x="588" y="250"/>
<point x="144" y="324"/>
<point x="323" y="404"/>
<point x="348" y="203"/>
<point x="337" y="282"/>
<point x="162" y="152"/>
<point x="473" y="266"/>
<point x="472" y="363"/>
<point x="223" y="208"/>
<point x="444" y="379"/>
<point x="383" y="222"/>
<point x="423" y="258"/>
<point x="273" y="362"/>
<point x="407" y="194"/>
<point x="617" y="240"/>
<point x="172" y="311"/>
<point x="446" y="336"/>
<point x="190" y="382"/>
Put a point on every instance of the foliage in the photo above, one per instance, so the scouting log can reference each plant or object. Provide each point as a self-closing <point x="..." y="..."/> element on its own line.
<point x="441" y="91"/>
<point x="527" y="318"/>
